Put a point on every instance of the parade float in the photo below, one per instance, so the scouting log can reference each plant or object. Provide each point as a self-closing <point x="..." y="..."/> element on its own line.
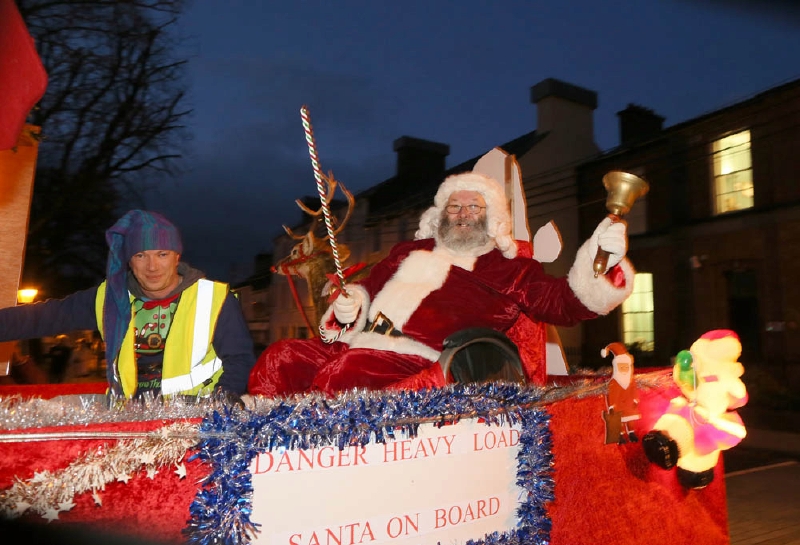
<point x="553" y="458"/>
<point x="467" y="463"/>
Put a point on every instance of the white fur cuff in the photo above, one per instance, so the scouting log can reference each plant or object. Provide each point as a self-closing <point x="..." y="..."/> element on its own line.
<point x="598" y="294"/>
<point x="388" y="343"/>
<point x="360" y="322"/>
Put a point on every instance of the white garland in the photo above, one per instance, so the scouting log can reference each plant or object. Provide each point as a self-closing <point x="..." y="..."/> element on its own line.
<point x="49" y="493"/>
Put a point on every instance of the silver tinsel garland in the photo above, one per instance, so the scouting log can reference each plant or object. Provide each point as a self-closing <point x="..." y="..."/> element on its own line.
<point x="49" y="493"/>
<point x="18" y="413"/>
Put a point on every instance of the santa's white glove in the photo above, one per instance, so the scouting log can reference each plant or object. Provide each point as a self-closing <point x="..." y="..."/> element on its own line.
<point x="345" y="309"/>
<point x="611" y="237"/>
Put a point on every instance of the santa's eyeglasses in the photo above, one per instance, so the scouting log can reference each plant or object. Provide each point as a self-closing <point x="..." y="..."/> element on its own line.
<point x="456" y="208"/>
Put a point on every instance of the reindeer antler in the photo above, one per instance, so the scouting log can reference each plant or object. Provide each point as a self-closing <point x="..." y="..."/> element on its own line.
<point x="297" y="237"/>
<point x="351" y="204"/>
<point x="332" y="183"/>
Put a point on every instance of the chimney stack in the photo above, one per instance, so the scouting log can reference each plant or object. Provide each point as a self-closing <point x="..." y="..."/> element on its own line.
<point x="564" y="107"/>
<point x="419" y="159"/>
<point x="637" y="123"/>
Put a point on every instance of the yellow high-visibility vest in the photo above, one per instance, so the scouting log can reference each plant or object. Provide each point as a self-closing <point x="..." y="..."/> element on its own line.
<point x="190" y="365"/>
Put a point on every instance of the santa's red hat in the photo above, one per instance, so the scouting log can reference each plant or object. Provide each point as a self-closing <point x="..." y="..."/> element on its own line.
<point x="616" y="349"/>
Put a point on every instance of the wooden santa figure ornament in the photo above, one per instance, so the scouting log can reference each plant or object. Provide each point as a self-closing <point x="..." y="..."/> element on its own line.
<point x="622" y="400"/>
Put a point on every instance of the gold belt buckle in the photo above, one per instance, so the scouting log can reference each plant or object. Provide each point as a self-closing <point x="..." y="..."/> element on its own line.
<point x="380" y="319"/>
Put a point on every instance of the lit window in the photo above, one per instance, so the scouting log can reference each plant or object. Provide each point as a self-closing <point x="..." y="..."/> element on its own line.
<point x="637" y="314"/>
<point x="733" y="173"/>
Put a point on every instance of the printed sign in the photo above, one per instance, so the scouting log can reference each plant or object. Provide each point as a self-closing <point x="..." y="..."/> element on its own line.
<point x="448" y="484"/>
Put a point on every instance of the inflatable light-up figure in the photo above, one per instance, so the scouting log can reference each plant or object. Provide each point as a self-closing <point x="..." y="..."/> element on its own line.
<point x="702" y="422"/>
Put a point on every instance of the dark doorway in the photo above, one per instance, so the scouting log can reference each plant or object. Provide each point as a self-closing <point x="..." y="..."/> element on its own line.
<point x="743" y="310"/>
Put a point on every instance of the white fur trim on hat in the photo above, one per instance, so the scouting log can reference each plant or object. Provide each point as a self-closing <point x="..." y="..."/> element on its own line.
<point x="498" y="217"/>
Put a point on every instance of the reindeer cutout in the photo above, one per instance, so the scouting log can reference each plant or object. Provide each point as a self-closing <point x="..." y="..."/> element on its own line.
<point x="312" y="257"/>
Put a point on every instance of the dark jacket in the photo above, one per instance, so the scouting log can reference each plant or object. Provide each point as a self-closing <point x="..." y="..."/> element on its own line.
<point x="232" y="341"/>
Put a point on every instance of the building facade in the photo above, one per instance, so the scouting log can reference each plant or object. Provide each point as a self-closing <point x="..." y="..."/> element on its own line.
<point x="716" y="240"/>
<point x="254" y="295"/>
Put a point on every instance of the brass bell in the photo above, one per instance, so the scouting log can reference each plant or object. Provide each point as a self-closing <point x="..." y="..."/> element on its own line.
<point x="623" y="190"/>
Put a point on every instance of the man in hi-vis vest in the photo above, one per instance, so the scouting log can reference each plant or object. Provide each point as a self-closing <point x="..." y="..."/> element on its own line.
<point x="166" y="328"/>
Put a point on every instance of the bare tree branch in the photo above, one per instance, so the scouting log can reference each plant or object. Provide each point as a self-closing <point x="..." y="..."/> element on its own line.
<point x="112" y="125"/>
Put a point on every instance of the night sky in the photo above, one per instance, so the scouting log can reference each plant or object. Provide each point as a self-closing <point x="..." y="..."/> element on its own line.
<point x="452" y="71"/>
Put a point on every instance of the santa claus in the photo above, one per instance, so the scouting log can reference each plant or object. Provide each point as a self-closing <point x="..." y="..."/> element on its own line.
<point x="462" y="271"/>
<point x="623" y="397"/>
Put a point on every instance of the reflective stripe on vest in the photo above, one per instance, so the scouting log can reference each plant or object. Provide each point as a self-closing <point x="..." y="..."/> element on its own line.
<point x="199" y="371"/>
<point x="179" y="373"/>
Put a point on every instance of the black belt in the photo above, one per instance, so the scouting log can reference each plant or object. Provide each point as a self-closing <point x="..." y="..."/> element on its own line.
<point x="383" y="326"/>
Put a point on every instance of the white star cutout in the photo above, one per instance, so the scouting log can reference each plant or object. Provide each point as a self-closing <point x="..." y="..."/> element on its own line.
<point x="50" y="515"/>
<point x="21" y="507"/>
<point x="181" y="471"/>
<point x="66" y="505"/>
<point x="147" y="458"/>
<point x="124" y="478"/>
<point x="40" y="477"/>
<point x="151" y="472"/>
<point x="98" y="500"/>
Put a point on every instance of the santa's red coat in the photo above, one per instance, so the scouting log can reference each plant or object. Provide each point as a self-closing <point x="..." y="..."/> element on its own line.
<point x="624" y="401"/>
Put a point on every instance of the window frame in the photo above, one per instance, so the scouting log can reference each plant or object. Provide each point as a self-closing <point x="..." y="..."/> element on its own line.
<point x="716" y="158"/>
<point x="628" y="334"/>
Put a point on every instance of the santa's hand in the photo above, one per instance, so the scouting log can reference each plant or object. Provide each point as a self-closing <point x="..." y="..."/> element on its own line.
<point x="612" y="237"/>
<point x="346" y="308"/>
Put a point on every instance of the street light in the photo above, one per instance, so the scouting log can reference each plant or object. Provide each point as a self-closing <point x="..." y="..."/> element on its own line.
<point x="26" y="295"/>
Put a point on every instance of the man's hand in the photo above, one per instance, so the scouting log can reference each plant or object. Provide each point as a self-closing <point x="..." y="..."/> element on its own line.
<point x="611" y="237"/>
<point x="345" y="309"/>
<point x="229" y="398"/>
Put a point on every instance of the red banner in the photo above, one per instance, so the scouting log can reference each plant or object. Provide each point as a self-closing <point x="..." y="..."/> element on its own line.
<point x="23" y="79"/>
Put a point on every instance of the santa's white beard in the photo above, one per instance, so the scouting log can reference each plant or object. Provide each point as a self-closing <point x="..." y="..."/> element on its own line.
<point x="623" y="379"/>
<point x="453" y="235"/>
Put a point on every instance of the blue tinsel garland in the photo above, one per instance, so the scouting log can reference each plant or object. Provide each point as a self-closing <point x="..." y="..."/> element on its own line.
<point x="230" y="440"/>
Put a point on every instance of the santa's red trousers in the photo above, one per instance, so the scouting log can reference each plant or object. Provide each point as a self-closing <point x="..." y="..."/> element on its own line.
<point x="306" y="365"/>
